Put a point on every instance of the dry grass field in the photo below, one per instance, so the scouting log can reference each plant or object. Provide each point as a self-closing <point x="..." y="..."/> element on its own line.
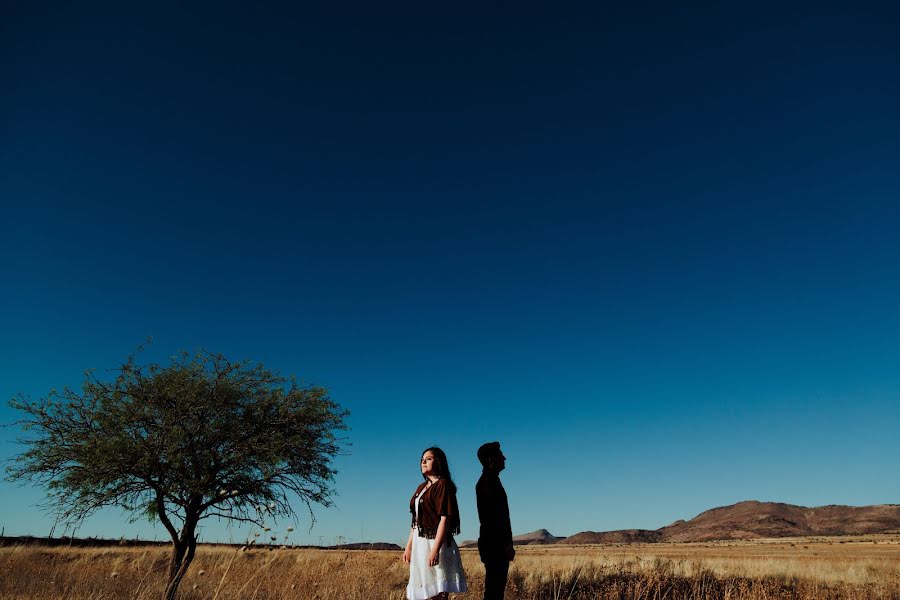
<point x="798" y="569"/>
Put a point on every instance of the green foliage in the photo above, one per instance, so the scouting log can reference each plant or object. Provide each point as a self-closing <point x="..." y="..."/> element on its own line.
<point x="202" y="437"/>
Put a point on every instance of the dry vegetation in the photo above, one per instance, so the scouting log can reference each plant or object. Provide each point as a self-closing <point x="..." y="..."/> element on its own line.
<point x="799" y="569"/>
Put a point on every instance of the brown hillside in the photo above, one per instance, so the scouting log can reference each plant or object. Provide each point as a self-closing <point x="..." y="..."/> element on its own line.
<point x="622" y="536"/>
<point x="752" y="519"/>
<point x="744" y="520"/>
<point x="541" y="536"/>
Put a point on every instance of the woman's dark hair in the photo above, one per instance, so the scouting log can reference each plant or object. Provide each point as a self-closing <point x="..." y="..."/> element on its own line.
<point x="441" y="467"/>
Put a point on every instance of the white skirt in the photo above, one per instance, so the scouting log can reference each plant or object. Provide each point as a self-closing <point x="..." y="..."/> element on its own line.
<point x="446" y="576"/>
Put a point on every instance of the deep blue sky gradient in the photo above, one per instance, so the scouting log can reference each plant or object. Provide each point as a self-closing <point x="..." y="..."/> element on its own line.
<point x="651" y="249"/>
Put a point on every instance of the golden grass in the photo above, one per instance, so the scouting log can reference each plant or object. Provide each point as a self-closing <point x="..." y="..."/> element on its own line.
<point x="799" y="569"/>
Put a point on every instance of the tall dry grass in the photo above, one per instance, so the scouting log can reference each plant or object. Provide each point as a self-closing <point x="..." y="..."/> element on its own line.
<point x="811" y="570"/>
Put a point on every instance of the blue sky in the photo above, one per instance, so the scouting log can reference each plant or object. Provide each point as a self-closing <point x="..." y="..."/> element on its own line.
<point x="652" y="250"/>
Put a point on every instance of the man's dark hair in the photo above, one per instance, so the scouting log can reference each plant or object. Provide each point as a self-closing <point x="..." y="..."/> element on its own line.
<point x="488" y="451"/>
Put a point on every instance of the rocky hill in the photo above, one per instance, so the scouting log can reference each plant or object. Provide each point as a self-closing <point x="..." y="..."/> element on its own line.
<point x="744" y="520"/>
<point x="365" y="546"/>
<point x="541" y="536"/>
<point x="752" y="519"/>
<point x="622" y="536"/>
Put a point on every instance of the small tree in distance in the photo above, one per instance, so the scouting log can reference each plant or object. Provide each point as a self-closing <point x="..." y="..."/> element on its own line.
<point x="203" y="437"/>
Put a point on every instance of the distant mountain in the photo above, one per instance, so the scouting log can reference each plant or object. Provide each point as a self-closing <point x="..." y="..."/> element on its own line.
<point x="622" y="536"/>
<point x="752" y="519"/>
<point x="365" y="546"/>
<point x="744" y="520"/>
<point x="541" y="536"/>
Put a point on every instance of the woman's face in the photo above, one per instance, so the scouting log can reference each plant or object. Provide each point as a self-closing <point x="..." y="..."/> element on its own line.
<point x="428" y="463"/>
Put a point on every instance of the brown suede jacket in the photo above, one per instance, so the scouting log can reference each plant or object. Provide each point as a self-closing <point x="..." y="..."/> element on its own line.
<point x="439" y="501"/>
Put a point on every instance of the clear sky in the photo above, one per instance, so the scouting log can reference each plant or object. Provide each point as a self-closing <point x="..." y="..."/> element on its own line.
<point x="652" y="249"/>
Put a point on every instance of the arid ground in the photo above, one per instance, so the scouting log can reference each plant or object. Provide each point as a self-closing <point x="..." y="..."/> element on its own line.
<point x="859" y="567"/>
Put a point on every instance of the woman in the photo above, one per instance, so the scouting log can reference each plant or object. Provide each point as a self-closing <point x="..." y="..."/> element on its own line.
<point x="435" y="567"/>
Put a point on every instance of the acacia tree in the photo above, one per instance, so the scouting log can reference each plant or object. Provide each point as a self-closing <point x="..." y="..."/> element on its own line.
<point x="201" y="438"/>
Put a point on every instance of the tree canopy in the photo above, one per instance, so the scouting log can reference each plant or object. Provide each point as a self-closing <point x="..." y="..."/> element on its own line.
<point x="202" y="437"/>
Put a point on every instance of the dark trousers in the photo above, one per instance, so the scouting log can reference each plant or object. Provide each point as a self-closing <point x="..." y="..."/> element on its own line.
<point x="495" y="574"/>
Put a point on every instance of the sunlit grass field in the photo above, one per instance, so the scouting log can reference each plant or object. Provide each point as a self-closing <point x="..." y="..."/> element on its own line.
<point x="803" y="568"/>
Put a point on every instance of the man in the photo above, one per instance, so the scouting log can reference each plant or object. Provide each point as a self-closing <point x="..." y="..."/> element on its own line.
<point x="495" y="543"/>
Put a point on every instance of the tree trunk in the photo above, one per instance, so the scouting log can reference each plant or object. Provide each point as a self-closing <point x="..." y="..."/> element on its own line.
<point x="182" y="554"/>
<point x="178" y="552"/>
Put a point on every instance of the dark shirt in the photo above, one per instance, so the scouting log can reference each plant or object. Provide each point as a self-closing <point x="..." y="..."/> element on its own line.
<point x="493" y="513"/>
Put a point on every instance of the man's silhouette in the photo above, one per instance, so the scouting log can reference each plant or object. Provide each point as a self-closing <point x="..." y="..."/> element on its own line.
<point x="495" y="543"/>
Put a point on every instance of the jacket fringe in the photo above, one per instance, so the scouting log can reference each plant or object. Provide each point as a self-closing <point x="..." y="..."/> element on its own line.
<point x="430" y="533"/>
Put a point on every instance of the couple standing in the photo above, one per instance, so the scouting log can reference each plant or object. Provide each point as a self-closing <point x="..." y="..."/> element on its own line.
<point x="435" y="567"/>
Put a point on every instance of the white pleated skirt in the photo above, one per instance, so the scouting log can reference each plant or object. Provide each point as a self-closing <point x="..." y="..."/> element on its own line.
<point x="446" y="576"/>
